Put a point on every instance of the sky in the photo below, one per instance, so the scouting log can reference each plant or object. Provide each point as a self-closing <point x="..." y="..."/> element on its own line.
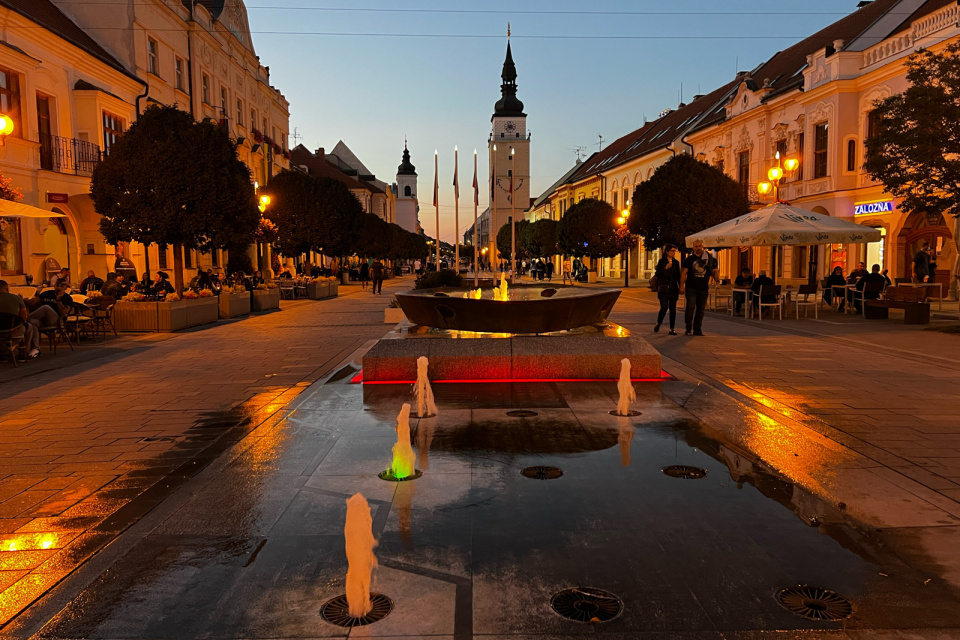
<point x="372" y="72"/>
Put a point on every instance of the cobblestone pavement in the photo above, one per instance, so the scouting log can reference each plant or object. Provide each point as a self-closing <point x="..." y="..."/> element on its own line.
<point x="91" y="440"/>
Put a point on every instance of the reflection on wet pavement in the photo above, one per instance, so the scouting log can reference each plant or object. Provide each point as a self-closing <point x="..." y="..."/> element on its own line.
<point x="473" y="548"/>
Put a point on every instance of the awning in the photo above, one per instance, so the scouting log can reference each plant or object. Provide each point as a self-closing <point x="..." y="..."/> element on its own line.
<point x="781" y="224"/>
<point x="11" y="209"/>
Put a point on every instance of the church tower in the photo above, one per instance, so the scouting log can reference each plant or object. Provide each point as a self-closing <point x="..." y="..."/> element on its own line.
<point x="407" y="206"/>
<point x="509" y="150"/>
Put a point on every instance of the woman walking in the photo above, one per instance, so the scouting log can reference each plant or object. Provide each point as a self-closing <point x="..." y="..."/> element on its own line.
<point x="668" y="287"/>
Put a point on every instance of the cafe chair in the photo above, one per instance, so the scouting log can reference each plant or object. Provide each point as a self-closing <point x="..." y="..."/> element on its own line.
<point x="769" y="291"/>
<point x="56" y="333"/>
<point x="803" y="300"/>
<point x="860" y="295"/>
<point x="9" y="343"/>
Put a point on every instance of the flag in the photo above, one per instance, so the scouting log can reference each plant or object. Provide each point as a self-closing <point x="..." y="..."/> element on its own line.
<point x="435" y="183"/>
<point x="456" y="181"/>
<point x="476" y="185"/>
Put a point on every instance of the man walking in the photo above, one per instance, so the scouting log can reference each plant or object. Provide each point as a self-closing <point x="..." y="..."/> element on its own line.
<point x="377" y="271"/>
<point x="698" y="269"/>
<point x="921" y="264"/>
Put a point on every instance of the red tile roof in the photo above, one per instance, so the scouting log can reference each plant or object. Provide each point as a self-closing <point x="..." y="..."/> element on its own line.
<point x="320" y="167"/>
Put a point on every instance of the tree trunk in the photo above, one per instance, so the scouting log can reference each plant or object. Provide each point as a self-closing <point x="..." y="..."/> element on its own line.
<point x="178" y="268"/>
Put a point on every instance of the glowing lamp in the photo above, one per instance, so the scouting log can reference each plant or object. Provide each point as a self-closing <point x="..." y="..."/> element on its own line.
<point x="774" y="173"/>
<point x="764" y="188"/>
<point x="6" y="125"/>
<point x="264" y="202"/>
<point x="625" y="213"/>
<point x="791" y="164"/>
<point x="621" y="220"/>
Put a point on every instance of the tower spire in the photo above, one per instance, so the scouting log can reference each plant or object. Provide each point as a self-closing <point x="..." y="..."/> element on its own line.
<point x="508" y="105"/>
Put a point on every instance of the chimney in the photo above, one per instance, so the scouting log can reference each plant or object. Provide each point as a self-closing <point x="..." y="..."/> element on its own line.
<point x="320" y="153"/>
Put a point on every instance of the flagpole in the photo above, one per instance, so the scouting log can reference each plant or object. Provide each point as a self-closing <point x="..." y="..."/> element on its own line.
<point x="476" y="202"/>
<point x="436" y="200"/>
<point x="513" y="218"/>
<point x="493" y="211"/>
<point x="456" y="209"/>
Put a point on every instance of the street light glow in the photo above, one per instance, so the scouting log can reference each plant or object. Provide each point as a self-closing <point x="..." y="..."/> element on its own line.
<point x="791" y="164"/>
<point x="764" y="188"/>
<point x="774" y="173"/>
<point x="6" y="125"/>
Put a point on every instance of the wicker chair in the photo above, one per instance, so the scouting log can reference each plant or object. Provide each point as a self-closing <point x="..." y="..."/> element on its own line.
<point x="9" y="342"/>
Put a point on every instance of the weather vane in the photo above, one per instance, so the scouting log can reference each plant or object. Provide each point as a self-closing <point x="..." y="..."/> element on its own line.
<point x="508" y="30"/>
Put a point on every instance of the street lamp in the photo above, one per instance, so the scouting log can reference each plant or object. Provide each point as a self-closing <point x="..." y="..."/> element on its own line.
<point x="6" y="127"/>
<point x="264" y="202"/>
<point x="775" y="175"/>
<point x="622" y="221"/>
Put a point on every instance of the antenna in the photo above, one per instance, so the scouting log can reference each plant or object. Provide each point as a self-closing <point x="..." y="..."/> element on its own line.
<point x="580" y="151"/>
<point x="600" y="144"/>
<point x="681" y="92"/>
<point x="508" y="31"/>
<point x="737" y="70"/>
<point x="296" y="136"/>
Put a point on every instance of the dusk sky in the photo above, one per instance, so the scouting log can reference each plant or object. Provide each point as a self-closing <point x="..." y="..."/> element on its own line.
<point x="583" y="69"/>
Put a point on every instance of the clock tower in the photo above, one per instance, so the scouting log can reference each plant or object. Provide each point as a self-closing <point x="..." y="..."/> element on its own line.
<point x="509" y="151"/>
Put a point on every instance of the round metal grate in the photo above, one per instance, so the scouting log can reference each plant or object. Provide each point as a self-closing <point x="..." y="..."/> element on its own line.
<point x="814" y="603"/>
<point x="522" y="413"/>
<point x="389" y="477"/>
<point x="542" y="473"/>
<point x="685" y="471"/>
<point x="630" y="414"/>
<point x="585" y="604"/>
<point x="337" y="611"/>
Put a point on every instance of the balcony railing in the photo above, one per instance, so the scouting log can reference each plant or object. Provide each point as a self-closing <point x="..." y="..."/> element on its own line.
<point x="68" y="155"/>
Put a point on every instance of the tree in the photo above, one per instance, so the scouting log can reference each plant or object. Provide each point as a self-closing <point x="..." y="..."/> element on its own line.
<point x="373" y="237"/>
<point x="587" y="229"/>
<point x="915" y="149"/>
<point x="503" y="239"/>
<point x="682" y="197"/>
<point x="539" y="239"/>
<point x="171" y="180"/>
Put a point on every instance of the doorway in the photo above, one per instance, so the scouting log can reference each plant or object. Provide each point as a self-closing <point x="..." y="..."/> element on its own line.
<point x="930" y="228"/>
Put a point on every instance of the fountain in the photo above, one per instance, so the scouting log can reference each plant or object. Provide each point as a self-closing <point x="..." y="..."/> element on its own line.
<point x="426" y="407"/>
<point x="425" y="429"/>
<point x="502" y="293"/>
<point x="361" y="562"/>
<point x="627" y="393"/>
<point x="403" y="465"/>
<point x="625" y="433"/>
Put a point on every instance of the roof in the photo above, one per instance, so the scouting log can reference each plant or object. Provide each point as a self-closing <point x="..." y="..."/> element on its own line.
<point x="343" y="153"/>
<point x="546" y="194"/>
<point x="928" y="7"/>
<point x="321" y="168"/>
<point x="48" y="16"/>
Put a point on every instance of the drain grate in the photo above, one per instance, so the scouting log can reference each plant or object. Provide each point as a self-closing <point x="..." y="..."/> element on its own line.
<point x="584" y="604"/>
<point x="522" y="413"/>
<point x="630" y="414"/>
<point x="389" y="477"/>
<point x="815" y="603"/>
<point x="542" y="473"/>
<point x="685" y="471"/>
<point x="337" y="611"/>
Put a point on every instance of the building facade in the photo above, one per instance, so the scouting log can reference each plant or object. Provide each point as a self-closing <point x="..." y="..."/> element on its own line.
<point x="405" y="190"/>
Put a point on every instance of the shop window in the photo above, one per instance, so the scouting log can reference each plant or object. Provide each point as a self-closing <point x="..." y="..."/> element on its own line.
<point x="821" y="143"/>
<point x="112" y="129"/>
<point x="11" y="254"/>
<point x="10" y="100"/>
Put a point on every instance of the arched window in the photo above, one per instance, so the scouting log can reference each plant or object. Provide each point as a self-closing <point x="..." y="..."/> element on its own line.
<point x="851" y="155"/>
<point x="406" y="191"/>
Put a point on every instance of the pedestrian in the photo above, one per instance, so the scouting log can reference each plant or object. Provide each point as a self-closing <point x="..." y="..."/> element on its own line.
<point x="567" y="270"/>
<point x="932" y="265"/>
<point x="377" y="271"/>
<point x="549" y="268"/>
<point x="668" y="287"/>
<point x="364" y="274"/>
<point x="698" y="269"/>
<point x="921" y="264"/>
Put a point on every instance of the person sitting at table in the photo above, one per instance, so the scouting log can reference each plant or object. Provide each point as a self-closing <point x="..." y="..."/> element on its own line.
<point x="64" y="276"/>
<point x="214" y="281"/>
<point x="857" y="273"/>
<point x="58" y="299"/>
<point x="257" y="278"/>
<point x="90" y="283"/>
<point x="742" y="281"/>
<point x="875" y="277"/>
<point x="240" y="280"/>
<point x="202" y="281"/>
<point x="763" y="280"/>
<point x="112" y="287"/>
<point x="835" y="279"/>
<point x="161" y="286"/>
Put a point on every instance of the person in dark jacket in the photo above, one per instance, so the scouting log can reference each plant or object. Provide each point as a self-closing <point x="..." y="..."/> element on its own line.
<point x="763" y="280"/>
<point x="742" y="281"/>
<point x="161" y="286"/>
<point x="112" y="287"/>
<point x="668" y="287"/>
<point x="835" y="279"/>
<point x="90" y="283"/>
<point x="364" y="274"/>
<point x="377" y="271"/>
<point x="873" y="277"/>
<point x="921" y="264"/>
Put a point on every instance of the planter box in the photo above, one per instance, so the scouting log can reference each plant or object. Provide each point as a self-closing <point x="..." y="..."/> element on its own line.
<point x="201" y="311"/>
<point x="264" y="299"/>
<point x="317" y="290"/>
<point x="135" y="316"/>
<point x="334" y="289"/>
<point x="172" y="315"/>
<point x="393" y="315"/>
<point x="234" y="304"/>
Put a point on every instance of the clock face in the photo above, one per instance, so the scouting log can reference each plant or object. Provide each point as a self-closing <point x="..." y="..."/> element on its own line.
<point x="510" y="126"/>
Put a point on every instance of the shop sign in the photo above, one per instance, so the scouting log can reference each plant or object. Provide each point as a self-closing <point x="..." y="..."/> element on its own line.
<point x="58" y="198"/>
<point x="867" y="208"/>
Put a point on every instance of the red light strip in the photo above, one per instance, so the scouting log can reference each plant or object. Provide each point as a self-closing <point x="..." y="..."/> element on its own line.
<point x="358" y="379"/>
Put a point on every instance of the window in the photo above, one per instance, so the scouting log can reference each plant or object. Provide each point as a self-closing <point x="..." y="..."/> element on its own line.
<point x="205" y="88"/>
<point x="45" y="129"/>
<point x="626" y="196"/>
<point x="162" y="256"/>
<point x="820" y="142"/>
<point x="188" y="258"/>
<point x="782" y="148"/>
<point x="253" y="118"/>
<point x="800" y="151"/>
<point x="10" y="99"/>
<point x="851" y="155"/>
<point x="743" y="168"/>
<point x="223" y="102"/>
<point x="178" y="66"/>
<point x="153" y="57"/>
<point x="215" y="257"/>
<point x="873" y="127"/>
<point x="112" y="128"/>
<point x="11" y="253"/>
<point x="406" y="191"/>
<point x="239" y="112"/>
<point x="265" y="129"/>
<point x="615" y="207"/>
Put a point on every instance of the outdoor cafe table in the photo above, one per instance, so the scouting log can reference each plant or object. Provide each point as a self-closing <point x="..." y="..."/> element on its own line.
<point x="747" y="300"/>
<point x="847" y="290"/>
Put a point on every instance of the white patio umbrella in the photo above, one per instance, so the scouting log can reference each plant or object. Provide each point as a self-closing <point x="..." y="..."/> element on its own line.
<point x="11" y="209"/>
<point x="781" y="224"/>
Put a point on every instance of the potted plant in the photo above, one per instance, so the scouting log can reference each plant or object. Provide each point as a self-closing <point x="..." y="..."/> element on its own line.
<point x="265" y="296"/>
<point x="134" y="312"/>
<point x="318" y="289"/>
<point x="201" y="308"/>
<point x="234" y="301"/>
<point x="393" y="314"/>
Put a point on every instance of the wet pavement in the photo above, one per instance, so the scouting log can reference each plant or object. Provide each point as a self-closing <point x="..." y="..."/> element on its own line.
<point x="251" y="545"/>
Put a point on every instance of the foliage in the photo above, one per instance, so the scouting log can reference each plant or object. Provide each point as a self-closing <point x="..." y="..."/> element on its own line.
<point x="684" y="196"/>
<point x="238" y="260"/>
<point x="170" y="180"/>
<point x="914" y="151"/>
<point x="266" y="231"/>
<point x="8" y="191"/>
<point x="373" y="236"/>
<point x="587" y="229"/>
<point x="624" y="240"/>
<point x="503" y="239"/>
<point x="539" y="239"/>
<point x="442" y="278"/>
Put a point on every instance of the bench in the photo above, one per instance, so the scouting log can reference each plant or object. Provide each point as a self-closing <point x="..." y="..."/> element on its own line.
<point x="911" y="299"/>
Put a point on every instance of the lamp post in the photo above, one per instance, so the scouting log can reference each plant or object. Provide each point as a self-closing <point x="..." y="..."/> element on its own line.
<point x="775" y="175"/>
<point x="263" y="201"/>
<point x="622" y="221"/>
<point x="6" y="127"/>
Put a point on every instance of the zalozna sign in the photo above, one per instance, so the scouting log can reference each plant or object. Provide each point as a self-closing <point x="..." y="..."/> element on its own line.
<point x="873" y="207"/>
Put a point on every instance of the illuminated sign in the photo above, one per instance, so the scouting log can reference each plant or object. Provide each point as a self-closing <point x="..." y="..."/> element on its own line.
<point x="866" y="208"/>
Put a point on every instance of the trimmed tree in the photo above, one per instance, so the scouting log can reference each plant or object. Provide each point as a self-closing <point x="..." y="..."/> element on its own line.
<point x="682" y="197"/>
<point x="588" y="229"/>
<point x="503" y="239"/>
<point x="170" y="180"/>
<point x="916" y="140"/>
<point x="539" y="238"/>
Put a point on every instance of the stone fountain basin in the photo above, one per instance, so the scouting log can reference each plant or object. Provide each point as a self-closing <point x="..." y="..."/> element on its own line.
<point x="530" y="309"/>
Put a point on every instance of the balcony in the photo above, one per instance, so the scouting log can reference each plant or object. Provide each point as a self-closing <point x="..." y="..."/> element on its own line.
<point x="68" y="155"/>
